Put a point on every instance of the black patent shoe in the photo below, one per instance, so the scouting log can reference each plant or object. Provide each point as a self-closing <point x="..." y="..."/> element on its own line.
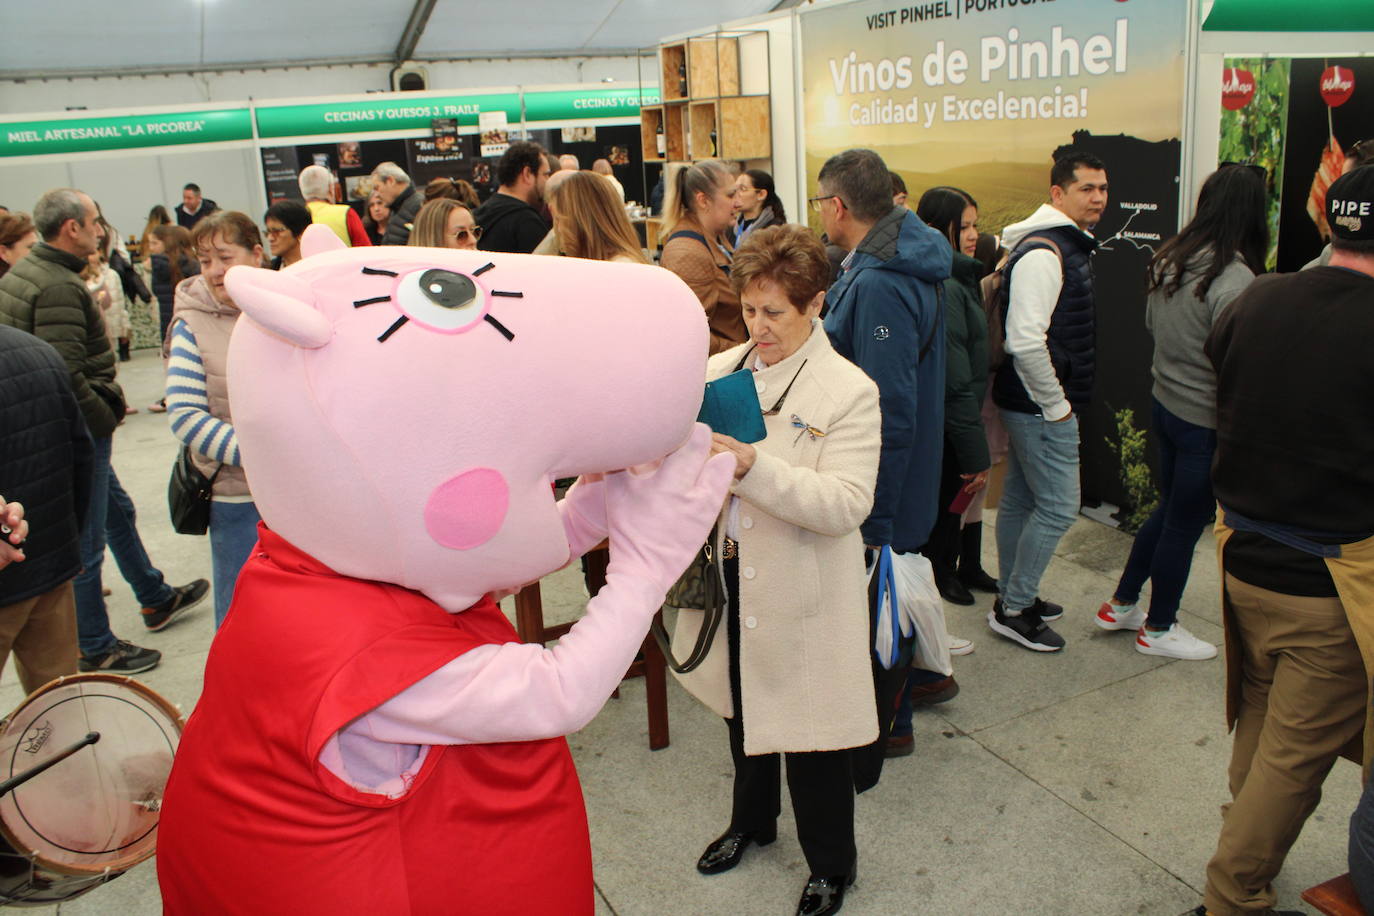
<point x="725" y="853"/>
<point x="823" y="896"/>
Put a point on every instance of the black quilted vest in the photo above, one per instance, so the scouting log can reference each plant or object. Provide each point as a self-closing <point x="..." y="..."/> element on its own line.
<point x="1072" y="336"/>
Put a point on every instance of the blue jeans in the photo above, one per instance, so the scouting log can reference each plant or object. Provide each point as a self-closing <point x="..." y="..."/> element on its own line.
<point x="1163" y="548"/>
<point x="1040" y="500"/>
<point x="114" y="511"/>
<point x="121" y="530"/>
<point x="233" y="532"/>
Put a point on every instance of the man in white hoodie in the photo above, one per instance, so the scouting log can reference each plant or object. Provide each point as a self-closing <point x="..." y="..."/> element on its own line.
<point x="1045" y="380"/>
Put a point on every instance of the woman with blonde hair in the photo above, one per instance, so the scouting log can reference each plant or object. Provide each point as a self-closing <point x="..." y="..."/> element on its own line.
<point x="698" y="213"/>
<point x="590" y="222"/>
<point x="445" y="223"/>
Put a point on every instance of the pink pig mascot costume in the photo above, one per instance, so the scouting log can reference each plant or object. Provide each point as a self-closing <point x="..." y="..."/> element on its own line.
<point x="371" y="737"/>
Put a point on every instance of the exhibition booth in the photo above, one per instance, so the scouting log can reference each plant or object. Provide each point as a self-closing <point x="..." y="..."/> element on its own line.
<point x="247" y="154"/>
<point x="978" y="94"/>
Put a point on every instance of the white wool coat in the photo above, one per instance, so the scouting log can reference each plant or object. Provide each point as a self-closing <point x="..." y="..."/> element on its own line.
<point x="805" y="679"/>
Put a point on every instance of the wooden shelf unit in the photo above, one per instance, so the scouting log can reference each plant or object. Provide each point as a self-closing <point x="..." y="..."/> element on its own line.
<point x="713" y="66"/>
<point x="650" y="120"/>
<point x="675" y="130"/>
<point x="713" y="84"/>
<point x="673" y="72"/>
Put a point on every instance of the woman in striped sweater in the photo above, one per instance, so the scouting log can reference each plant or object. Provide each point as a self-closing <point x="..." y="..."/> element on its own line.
<point x="198" y="396"/>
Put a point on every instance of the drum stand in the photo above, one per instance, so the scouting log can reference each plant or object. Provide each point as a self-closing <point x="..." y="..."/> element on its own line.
<point x="14" y="782"/>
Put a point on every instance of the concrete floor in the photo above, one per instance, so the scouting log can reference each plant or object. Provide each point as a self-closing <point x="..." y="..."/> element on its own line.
<point x="1082" y="782"/>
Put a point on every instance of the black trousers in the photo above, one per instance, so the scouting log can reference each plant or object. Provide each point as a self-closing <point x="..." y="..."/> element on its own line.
<point x="942" y="548"/>
<point x="821" y="783"/>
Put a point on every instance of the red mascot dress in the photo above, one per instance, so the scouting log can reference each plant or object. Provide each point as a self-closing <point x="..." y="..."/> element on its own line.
<point x="481" y="828"/>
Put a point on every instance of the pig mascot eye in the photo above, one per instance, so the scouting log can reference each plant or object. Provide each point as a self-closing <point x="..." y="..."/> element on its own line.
<point x="441" y="300"/>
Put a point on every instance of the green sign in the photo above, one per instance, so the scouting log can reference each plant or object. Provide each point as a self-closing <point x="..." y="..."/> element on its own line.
<point x="82" y="135"/>
<point x="587" y="104"/>
<point x="1290" y="16"/>
<point x="395" y="112"/>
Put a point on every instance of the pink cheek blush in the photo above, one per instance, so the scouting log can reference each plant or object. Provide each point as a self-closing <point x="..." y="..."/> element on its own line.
<point x="467" y="510"/>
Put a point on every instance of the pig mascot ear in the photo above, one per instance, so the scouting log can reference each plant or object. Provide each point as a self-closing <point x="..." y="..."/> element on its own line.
<point x="318" y="239"/>
<point x="280" y="303"/>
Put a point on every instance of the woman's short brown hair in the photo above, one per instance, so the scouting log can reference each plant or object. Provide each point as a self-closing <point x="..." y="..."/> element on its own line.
<point x="789" y="256"/>
<point x="231" y="226"/>
<point x="14" y="227"/>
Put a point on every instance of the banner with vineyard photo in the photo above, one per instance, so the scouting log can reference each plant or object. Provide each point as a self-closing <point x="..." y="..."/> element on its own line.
<point x="980" y="94"/>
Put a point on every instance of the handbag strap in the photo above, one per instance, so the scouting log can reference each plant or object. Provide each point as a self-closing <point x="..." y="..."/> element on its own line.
<point x="705" y="636"/>
<point x="186" y="451"/>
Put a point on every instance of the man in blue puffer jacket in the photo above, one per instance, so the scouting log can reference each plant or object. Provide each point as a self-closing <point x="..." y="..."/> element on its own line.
<point x="883" y="314"/>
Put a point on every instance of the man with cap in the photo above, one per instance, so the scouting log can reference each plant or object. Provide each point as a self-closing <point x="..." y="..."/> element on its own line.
<point x="1295" y="539"/>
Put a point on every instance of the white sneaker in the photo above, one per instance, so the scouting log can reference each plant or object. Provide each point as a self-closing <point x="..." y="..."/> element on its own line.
<point x="1175" y="642"/>
<point x="959" y="646"/>
<point x="1120" y="616"/>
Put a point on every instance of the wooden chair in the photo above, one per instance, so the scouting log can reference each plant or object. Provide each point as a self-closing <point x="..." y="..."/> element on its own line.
<point x="529" y="623"/>
<point x="1335" y="898"/>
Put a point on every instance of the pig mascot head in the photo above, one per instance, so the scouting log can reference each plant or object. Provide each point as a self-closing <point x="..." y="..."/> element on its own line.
<point x="401" y="412"/>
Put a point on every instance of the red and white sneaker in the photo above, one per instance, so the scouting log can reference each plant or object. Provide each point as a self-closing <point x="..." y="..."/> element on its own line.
<point x="1120" y="616"/>
<point x="1175" y="642"/>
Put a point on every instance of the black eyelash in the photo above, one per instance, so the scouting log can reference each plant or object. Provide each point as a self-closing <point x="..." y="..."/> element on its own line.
<point x="377" y="271"/>
<point x="510" y="295"/>
<point x="505" y="331"/>
<point x="373" y="301"/>
<point x="483" y="269"/>
<point x="393" y="329"/>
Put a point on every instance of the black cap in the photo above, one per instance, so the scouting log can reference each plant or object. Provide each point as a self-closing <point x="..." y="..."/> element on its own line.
<point x="1350" y="205"/>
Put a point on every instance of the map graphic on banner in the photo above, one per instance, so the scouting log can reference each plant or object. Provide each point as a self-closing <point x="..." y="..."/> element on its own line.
<point x="980" y="95"/>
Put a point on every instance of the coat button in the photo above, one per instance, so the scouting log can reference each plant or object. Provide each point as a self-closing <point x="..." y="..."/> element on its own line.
<point x="748" y="572"/>
<point x="746" y="523"/>
<point x="751" y="622"/>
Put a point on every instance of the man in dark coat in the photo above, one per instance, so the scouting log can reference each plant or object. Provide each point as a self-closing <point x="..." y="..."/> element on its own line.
<point x="43" y="295"/>
<point x="194" y="207"/>
<point x="397" y="191"/>
<point x="45" y="465"/>
<point x="510" y="218"/>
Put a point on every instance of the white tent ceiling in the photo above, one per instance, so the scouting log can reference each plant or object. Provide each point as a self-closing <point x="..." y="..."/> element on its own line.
<point x="70" y="37"/>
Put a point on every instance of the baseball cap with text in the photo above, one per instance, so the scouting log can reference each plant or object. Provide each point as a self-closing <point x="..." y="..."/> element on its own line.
<point x="1350" y="205"/>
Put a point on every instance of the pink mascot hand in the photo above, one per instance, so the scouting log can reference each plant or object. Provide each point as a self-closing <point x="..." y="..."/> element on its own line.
<point x="583" y="510"/>
<point x="658" y="522"/>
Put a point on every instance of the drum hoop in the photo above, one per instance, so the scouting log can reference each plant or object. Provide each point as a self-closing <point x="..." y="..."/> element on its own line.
<point x="123" y="863"/>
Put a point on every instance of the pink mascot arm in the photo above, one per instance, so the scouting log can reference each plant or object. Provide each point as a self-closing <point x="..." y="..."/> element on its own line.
<point x="522" y="692"/>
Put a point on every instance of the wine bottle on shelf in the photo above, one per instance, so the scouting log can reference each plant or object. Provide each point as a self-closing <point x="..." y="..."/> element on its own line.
<point x="713" y="141"/>
<point x="682" y="80"/>
<point x="661" y="140"/>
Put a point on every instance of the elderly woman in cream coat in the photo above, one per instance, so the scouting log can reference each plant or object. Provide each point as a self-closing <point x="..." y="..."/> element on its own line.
<point x="790" y="671"/>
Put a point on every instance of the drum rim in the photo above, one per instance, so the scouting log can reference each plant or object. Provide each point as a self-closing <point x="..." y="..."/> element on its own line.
<point x="124" y="863"/>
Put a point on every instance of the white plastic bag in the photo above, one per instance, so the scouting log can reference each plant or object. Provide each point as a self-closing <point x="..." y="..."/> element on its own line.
<point x="923" y="611"/>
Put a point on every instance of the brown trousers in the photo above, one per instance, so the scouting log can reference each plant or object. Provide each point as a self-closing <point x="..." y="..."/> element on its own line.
<point x="1303" y="700"/>
<point x="41" y="632"/>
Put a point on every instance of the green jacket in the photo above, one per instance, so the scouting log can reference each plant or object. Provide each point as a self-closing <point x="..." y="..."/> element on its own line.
<point x="966" y="366"/>
<point x="43" y="295"/>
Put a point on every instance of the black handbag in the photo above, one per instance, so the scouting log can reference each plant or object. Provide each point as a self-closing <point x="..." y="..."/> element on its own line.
<point x="188" y="495"/>
<point x="700" y="588"/>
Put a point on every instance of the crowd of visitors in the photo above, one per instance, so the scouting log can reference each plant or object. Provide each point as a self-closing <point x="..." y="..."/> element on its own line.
<point x="898" y="359"/>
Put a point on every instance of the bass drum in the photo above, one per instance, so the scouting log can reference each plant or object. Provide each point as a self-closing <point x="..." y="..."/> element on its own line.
<point x="93" y="816"/>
